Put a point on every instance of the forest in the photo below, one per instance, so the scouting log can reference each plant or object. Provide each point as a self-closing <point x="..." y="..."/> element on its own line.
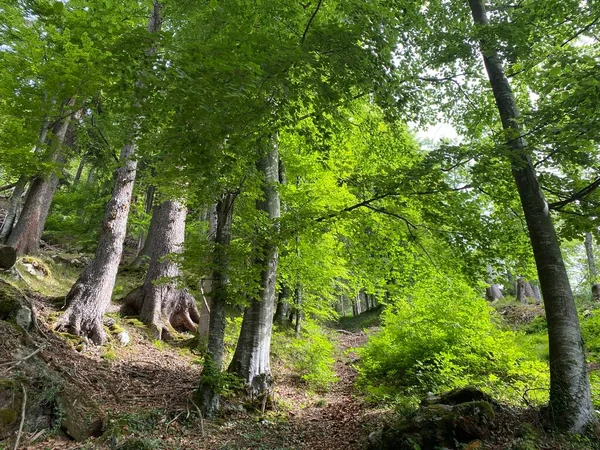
<point x="300" y="224"/>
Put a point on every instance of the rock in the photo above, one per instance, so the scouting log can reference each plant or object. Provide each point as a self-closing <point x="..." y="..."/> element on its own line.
<point x="449" y="421"/>
<point x="123" y="338"/>
<point x="81" y="417"/>
<point x="8" y="257"/>
<point x="24" y="318"/>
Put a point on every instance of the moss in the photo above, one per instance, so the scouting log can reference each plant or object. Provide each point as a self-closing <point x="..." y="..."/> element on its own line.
<point x="8" y="416"/>
<point x="38" y="265"/>
<point x="10" y="300"/>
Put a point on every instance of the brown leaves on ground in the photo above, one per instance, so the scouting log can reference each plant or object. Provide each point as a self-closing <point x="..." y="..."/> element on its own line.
<point x="146" y="391"/>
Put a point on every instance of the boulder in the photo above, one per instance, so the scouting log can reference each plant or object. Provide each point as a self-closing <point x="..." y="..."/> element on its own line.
<point x="447" y="421"/>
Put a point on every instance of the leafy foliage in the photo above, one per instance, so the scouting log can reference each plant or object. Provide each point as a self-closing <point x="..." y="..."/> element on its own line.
<point x="440" y="336"/>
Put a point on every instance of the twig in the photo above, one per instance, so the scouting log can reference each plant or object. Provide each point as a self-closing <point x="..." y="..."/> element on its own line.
<point x="176" y="417"/>
<point x="19" y="361"/>
<point x="201" y="418"/>
<point x="6" y="187"/>
<point x="345" y="332"/>
<point x="23" y="405"/>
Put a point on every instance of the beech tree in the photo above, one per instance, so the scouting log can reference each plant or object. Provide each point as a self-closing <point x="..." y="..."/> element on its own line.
<point x="570" y="398"/>
<point x="252" y="359"/>
<point x="90" y="295"/>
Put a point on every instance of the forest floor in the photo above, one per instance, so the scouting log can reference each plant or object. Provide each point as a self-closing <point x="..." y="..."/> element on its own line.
<point x="146" y="390"/>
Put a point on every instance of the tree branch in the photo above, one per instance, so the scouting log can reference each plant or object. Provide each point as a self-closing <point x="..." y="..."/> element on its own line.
<point x="310" y="21"/>
<point x="576" y="196"/>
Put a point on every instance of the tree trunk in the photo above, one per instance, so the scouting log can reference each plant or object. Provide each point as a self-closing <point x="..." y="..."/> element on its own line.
<point x="570" y="399"/>
<point x="144" y="255"/>
<point x="283" y="305"/>
<point x="141" y="241"/>
<point x="209" y="391"/>
<point x="26" y="234"/>
<point x="251" y="360"/>
<point x="591" y="261"/>
<point x="90" y="296"/>
<point x="206" y="284"/>
<point x="14" y="205"/>
<point x="79" y="170"/>
<point x="163" y="305"/>
<point x="493" y="293"/>
<point x="521" y="290"/>
<point x="298" y="299"/>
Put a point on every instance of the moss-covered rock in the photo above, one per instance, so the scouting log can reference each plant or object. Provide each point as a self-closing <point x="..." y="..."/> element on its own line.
<point x="447" y="421"/>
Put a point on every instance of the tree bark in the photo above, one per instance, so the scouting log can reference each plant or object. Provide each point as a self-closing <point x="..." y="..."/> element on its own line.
<point x="79" y="170"/>
<point x="493" y="293"/>
<point x="283" y="305"/>
<point x="141" y="241"/>
<point x="570" y="399"/>
<point x="27" y="232"/>
<point x="163" y="305"/>
<point x="206" y="285"/>
<point x="209" y="391"/>
<point x="591" y="261"/>
<point x="14" y="205"/>
<point x="251" y="360"/>
<point x="90" y="296"/>
<point x="144" y="255"/>
<point x="298" y="298"/>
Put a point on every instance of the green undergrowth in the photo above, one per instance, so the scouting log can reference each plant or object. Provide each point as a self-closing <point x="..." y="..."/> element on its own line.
<point x="50" y="278"/>
<point x="364" y="320"/>
<point x="309" y="354"/>
<point x="442" y="336"/>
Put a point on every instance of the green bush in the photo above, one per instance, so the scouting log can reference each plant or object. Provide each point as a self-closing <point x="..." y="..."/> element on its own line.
<point x="590" y="329"/>
<point x="312" y="357"/>
<point x="441" y="336"/>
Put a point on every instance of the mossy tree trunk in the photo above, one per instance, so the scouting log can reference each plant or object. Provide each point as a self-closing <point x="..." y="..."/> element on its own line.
<point x="209" y="392"/>
<point x="26" y="234"/>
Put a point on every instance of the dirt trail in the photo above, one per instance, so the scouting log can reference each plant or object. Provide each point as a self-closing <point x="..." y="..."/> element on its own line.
<point x="153" y="387"/>
<point x="331" y="421"/>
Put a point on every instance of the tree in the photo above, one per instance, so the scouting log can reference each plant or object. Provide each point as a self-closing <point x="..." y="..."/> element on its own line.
<point x="90" y="295"/>
<point x="570" y="399"/>
<point x="209" y="391"/>
<point x="251" y="360"/>
<point x="591" y="262"/>
<point x="160" y="303"/>
<point x="26" y="234"/>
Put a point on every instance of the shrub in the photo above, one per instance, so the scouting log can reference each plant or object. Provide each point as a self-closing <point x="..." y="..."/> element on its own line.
<point x="441" y="336"/>
<point x="590" y="329"/>
<point x="311" y="356"/>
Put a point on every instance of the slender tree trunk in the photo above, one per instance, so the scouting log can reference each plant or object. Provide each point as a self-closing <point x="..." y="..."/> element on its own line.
<point x="570" y="399"/>
<point x="251" y="360"/>
<point x="298" y="296"/>
<point x="26" y="234"/>
<point x="162" y="305"/>
<point x="206" y="285"/>
<point x="591" y="261"/>
<point x="209" y="392"/>
<point x="79" y="170"/>
<point x="148" y="203"/>
<point x="343" y="306"/>
<point x="90" y="296"/>
<point x="14" y="205"/>
<point x="283" y="305"/>
<point x="144" y="255"/>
